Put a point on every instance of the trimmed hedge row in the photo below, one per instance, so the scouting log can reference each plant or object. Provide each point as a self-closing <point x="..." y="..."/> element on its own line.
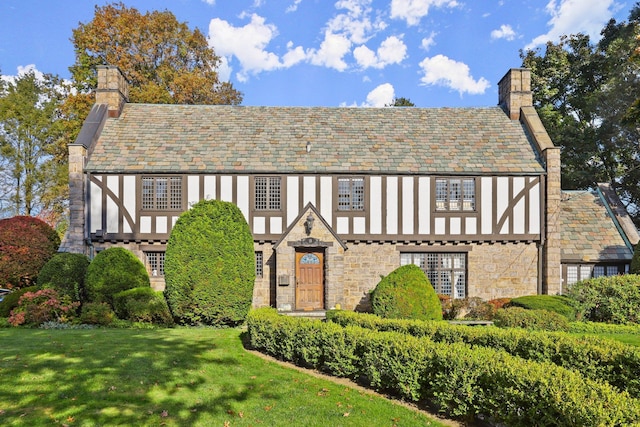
<point x="595" y="358"/>
<point x="459" y="380"/>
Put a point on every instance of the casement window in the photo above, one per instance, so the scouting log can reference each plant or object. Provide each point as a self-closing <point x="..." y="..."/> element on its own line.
<point x="447" y="272"/>
<point x="267" y="193"/>
<point x="162" y="193"/>
<point x="155" y="263"/>
<point x="455" y="194"/>
<point x="350" y="194"/>
<point x="259" y="264"/>
<point x="577" y="272"/>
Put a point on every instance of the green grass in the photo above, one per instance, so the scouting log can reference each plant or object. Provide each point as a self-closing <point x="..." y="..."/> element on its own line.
<point x="171" y="377"/>
<point x="631" y="339"/>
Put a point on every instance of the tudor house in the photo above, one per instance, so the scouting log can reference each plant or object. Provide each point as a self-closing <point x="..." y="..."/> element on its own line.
<point x="338" y="197"/>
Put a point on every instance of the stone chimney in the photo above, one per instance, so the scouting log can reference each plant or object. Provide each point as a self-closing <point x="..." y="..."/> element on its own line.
<point x="112" y="90"/>
<point x="514" y="92"/>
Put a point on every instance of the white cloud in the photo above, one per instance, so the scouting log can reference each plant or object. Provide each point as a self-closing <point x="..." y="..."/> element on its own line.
<point x="248" y="44"/>
<point x="504" y="32"/>
<point x="211" y="2"/>
<point x="391" y="51"/>
<point x="575" y="16"/>
<point x="380" y="96"/>
<point x="442" y="71"/>
<point x="414" y="10"/>
<point x="332" y="51"/>
<point x="21" y="71"/>
<point x="427" y="42"/>
<point x="294" y="6"/>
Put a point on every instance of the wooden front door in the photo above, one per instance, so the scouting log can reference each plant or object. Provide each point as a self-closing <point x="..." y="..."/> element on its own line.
<point x="309" y="281"/>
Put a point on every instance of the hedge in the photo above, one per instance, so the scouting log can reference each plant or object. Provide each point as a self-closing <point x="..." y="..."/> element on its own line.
<point x="593" y="357"/>
<point x="459" y="380"/>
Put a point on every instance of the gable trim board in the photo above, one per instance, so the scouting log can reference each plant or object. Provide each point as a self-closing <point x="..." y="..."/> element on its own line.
<point x="483" y="183"/>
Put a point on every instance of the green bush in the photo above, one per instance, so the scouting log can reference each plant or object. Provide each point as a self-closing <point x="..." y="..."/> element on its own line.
<point x="556" y="303"/>
<point x="460" y="380"/>
<point x="541" y="320"/>
<point x="65" y="273"/>
<point x="406" y="294"/>
<point x="97" y="313"/>
<point x="142" y="305"/>
<point x="210" y="265"/>
<point x="111" y="271"/>
<point x="10" y="300"/>
<point x="634" y="268"/>
<point x="610" y="299"/>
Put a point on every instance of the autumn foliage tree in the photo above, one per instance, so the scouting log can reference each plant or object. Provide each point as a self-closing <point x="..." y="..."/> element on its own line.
<point x="163" y="60"/>
<point x="26" y="244"/>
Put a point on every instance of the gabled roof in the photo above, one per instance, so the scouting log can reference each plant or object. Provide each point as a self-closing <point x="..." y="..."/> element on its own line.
<point x="150" y="138"/>
<point x="589" y="230"/>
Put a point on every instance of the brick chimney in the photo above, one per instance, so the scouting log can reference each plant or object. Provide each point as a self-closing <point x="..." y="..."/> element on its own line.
<point x="514" y="92"/>
<point x="112" y="90"/>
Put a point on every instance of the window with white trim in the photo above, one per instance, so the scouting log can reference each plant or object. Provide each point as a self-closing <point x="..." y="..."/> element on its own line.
<point x="577" y="272"/>
<point x="446" y="271"/>
<point x="350" y="194"/>
<point x="267" y="193"/>
<point x="155" y="263"/>
<point x="455" y="194"/>
<point x="162" y="193"/>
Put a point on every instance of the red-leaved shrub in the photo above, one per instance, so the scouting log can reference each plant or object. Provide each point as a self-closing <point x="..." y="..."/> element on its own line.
<point x="26" y="244"/>
<point x="35" y="308"/>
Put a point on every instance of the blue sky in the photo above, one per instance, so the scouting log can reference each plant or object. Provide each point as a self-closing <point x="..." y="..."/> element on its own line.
<point x="437" y="53"/>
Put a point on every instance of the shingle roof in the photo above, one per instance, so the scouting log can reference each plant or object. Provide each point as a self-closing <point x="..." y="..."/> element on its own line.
<point x="588" y="232"/>
<point x="233" y="139"/>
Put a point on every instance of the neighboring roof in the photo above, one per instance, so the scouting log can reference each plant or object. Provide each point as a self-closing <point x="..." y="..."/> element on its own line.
<point x="589" y="232"/>
<point x="151" y="138"/>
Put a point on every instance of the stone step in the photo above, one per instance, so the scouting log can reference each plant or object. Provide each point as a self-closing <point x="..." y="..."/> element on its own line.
<point x="311" y="314"/>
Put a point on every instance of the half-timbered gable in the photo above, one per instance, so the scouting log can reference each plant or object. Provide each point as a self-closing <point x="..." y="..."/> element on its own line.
<point x="335" y="197"/>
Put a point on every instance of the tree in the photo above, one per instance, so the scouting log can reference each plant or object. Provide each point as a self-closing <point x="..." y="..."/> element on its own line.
<point x="26" y="244"/>
<point x="163" y="60"/>
<point x="34" y="171"/>
<point x="401" y="102"/>
<point x="584" y="94"/>
<point x="210" y="265"/>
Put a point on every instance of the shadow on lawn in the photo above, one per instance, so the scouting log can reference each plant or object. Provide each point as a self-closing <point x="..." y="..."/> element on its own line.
<point x="120" y="377"/>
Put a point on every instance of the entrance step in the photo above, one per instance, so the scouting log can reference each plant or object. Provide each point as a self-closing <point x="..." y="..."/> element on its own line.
<point x="311" y="314"/>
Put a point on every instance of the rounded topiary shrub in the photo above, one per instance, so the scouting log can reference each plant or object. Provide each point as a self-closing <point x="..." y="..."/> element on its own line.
<point x="65" y="273"/>
<point x="541" y="320"/>
<point x="111" y="271"/>
<point x="556" y="303"/>
<point x="210" y="265"/>
<point x="142" y="305"/>
<point x="26" y="244"/>
<point x="406" y="294"/>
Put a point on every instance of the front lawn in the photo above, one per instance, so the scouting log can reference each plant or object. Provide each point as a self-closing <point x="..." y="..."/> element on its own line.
<point x="172" y="377"/>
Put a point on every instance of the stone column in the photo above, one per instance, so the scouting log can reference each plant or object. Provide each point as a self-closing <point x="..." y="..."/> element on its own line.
<point x="74" y="238"/>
